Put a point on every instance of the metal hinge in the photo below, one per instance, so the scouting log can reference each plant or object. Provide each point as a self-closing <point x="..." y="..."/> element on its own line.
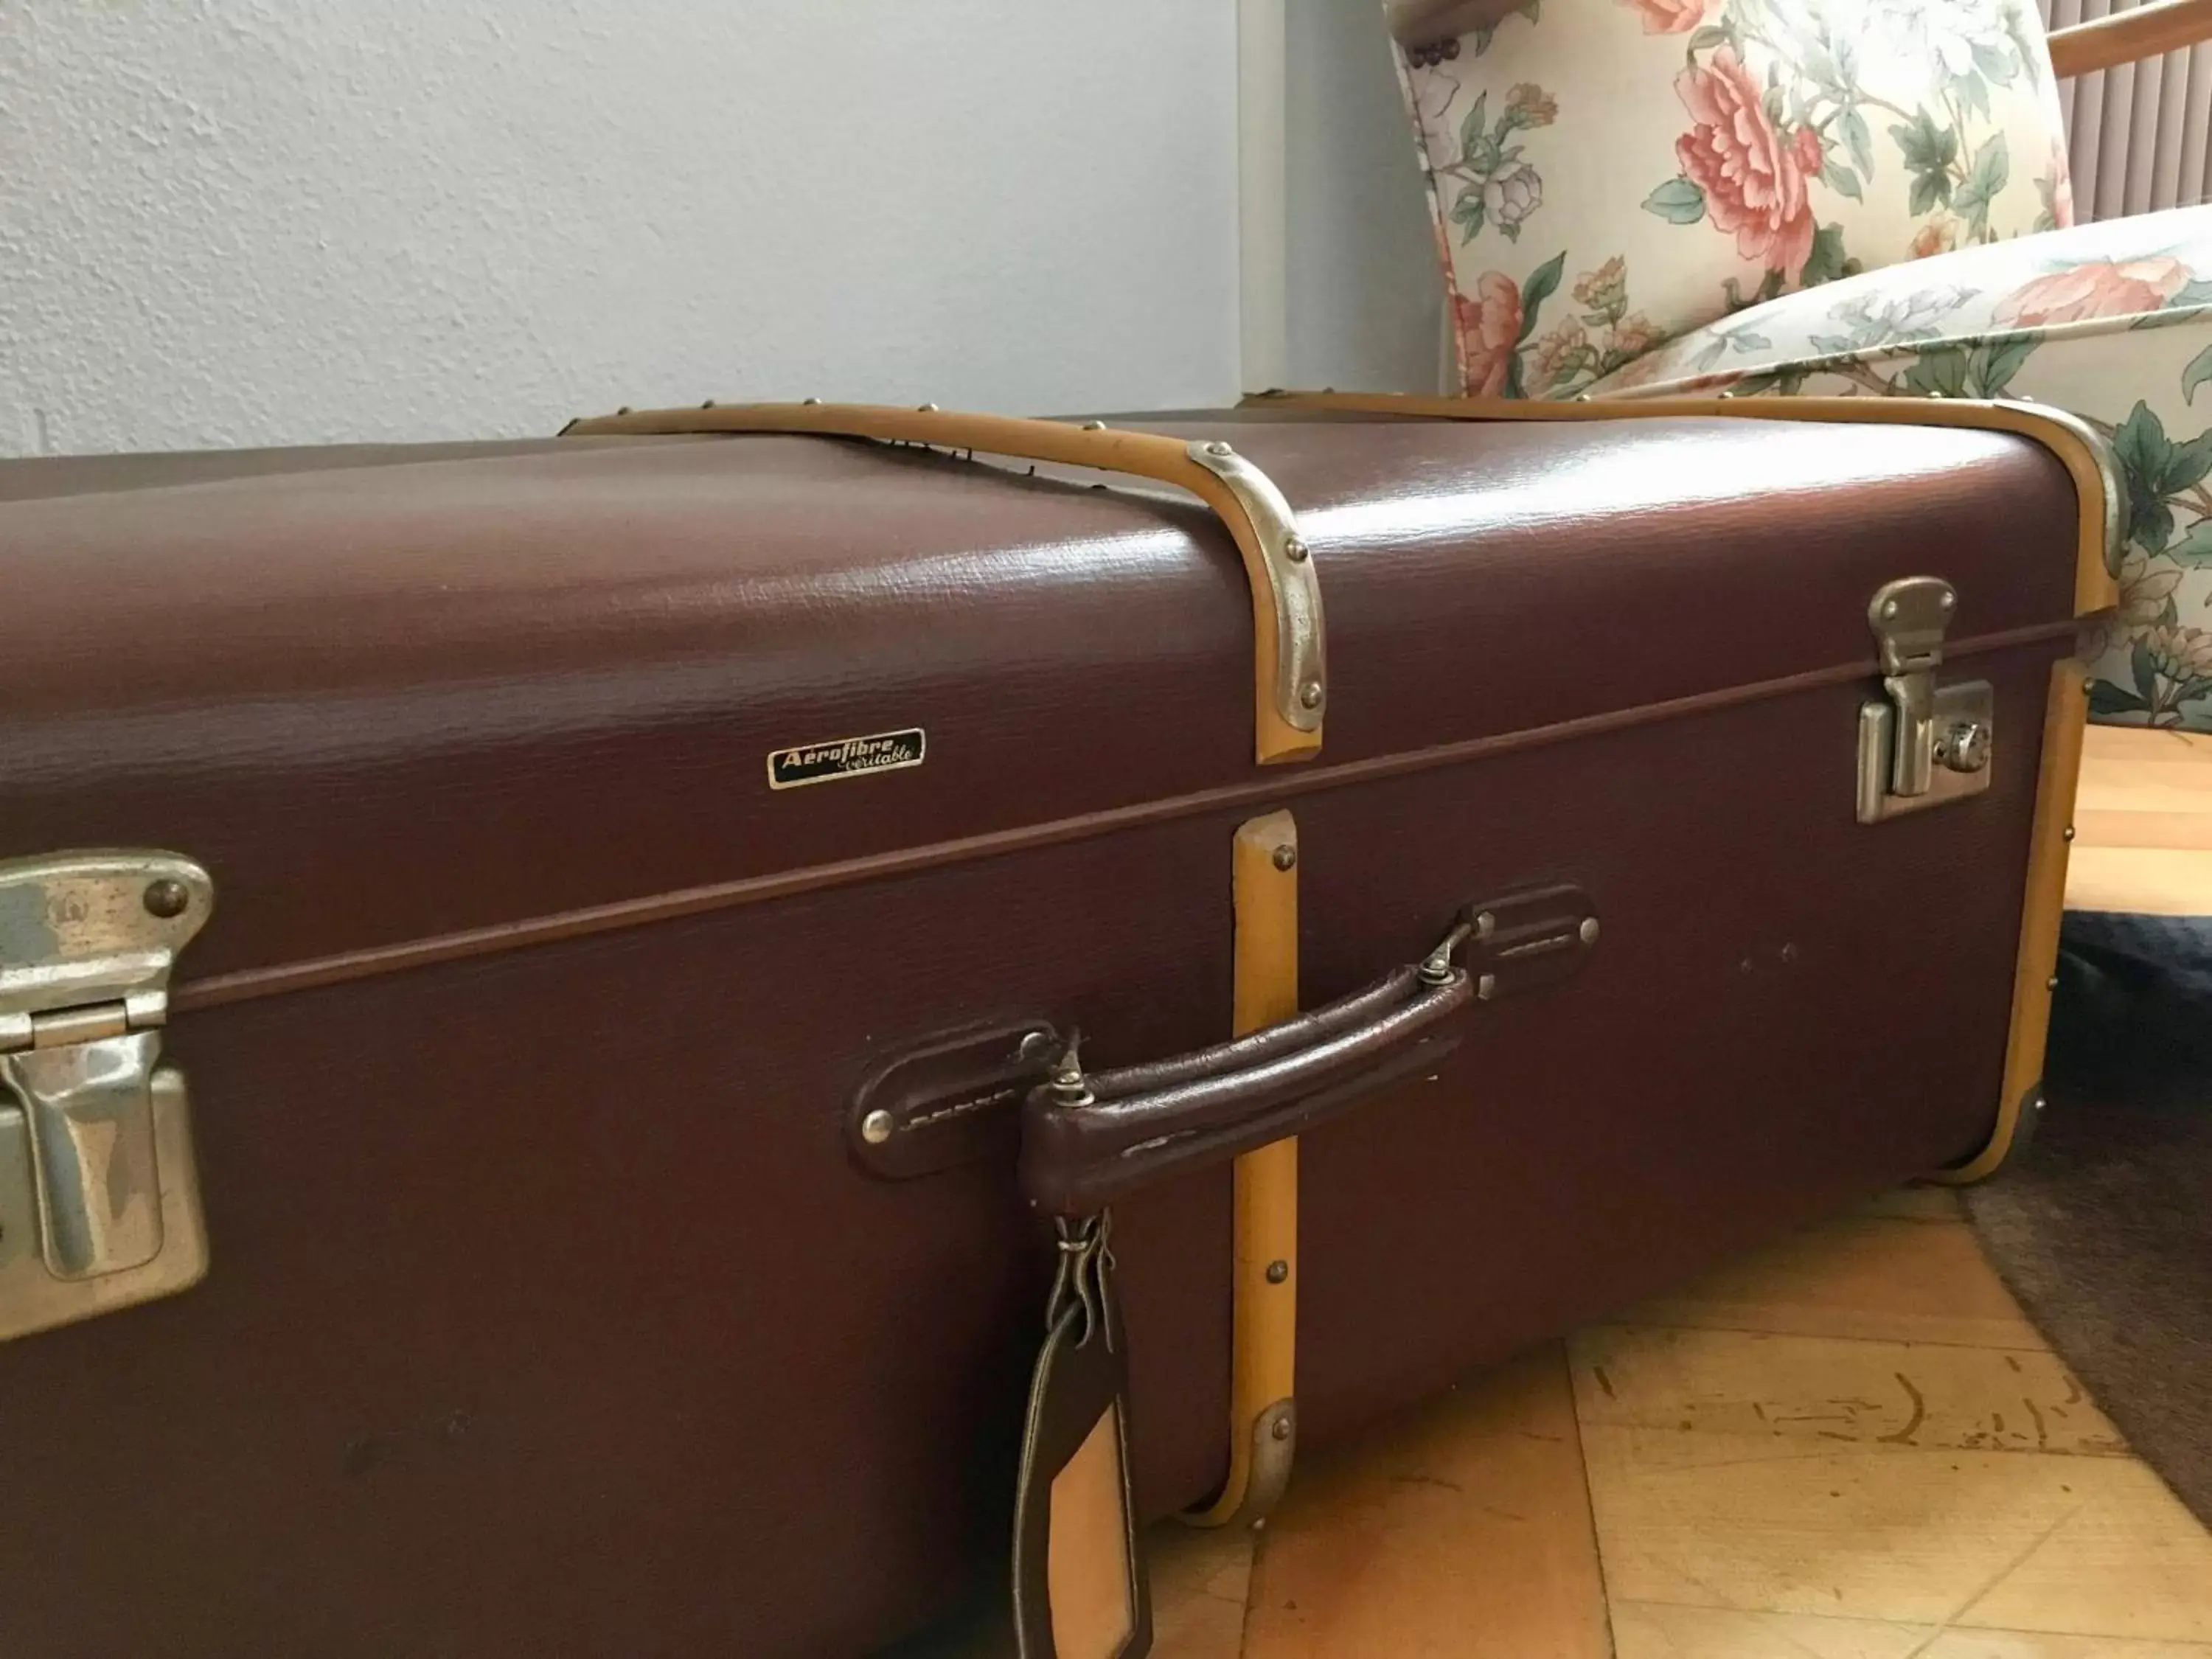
<point x="1925" y="743"/>
<point x="99" y="1197"/>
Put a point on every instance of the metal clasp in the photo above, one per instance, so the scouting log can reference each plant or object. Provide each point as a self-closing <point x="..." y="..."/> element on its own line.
<point x="1925" y="743"/>
<point x="99" y="1197"/>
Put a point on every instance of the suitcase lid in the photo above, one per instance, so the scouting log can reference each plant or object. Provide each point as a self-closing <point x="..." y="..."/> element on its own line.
<point x="412" y="703"/>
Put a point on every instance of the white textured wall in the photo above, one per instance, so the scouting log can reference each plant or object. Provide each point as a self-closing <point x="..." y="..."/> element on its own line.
<point x="1363" y="297"/>
<point x="247" y="222"/>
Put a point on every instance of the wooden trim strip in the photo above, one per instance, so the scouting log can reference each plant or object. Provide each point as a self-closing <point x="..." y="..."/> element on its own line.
<point x="2125" y="37"/>
<point x="2065" y="721"/>
<point x="2087" y="458"/>
<point x="1263" y="1355"/>
<point x="315" y="973"/>
<point x="1142" y="454"/>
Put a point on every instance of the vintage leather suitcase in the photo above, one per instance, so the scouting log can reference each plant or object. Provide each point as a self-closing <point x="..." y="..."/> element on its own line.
<point x="625" y="906"/>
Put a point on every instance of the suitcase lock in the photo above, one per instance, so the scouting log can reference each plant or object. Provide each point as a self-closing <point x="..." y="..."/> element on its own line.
<point x="1922" y="743"/>
<point x="99" y="1199"/>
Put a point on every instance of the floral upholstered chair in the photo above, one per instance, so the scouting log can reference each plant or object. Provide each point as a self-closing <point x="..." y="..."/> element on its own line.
<point x="1642" y="197"/>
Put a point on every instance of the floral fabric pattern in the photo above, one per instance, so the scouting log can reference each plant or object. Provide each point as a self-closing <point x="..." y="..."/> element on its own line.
<point x="1713" y="154"/>
<point x="2112" y="321"/>
<point x="1739" y="172"/>
<point x="1780" y="197"/>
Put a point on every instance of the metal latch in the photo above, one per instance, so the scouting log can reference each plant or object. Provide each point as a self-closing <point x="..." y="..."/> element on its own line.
<point x="99" y="1198"/>
<point x="1925" y="743"/>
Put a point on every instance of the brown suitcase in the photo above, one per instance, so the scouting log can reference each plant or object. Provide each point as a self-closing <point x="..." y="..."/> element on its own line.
<point x="659" y="875"/>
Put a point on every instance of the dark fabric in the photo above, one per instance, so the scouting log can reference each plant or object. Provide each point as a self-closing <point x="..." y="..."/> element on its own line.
<point x="2104" y="1229"/>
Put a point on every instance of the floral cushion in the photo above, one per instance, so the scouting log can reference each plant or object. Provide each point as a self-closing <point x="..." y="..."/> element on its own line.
<point x="1613" y="173"/>
<point x="2112" y="321"/>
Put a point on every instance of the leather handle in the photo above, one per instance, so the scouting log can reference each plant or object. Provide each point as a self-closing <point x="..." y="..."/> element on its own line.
<point x="1087" y="1141"/>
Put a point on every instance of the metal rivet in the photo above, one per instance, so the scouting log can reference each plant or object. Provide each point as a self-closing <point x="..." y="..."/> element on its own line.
<point x="1950" y="600"/>
<point x="1286" y="856"/>
<point x="167" y="898"/>
<point x="2069" y="832"/>
<point x="624" y="409"/>
<point x="1965" y="748"/>
<point x="876" y="1129"/>
<point x="808" y="402"/>
<point x="1069" y="1086"/>
<point x="1277" y="1271"/>
<point x="1588" y="931"/>
<point x="1094" y="426"/>
<point x="2050" y="984"/>
<point x="1581" y="397"/>
<point x="1295" y="549"/>
<point x="710" y="403"/>
<point x="1888" y="608"/>
<point x="1281" y="1430"/>
<point x="1217" y="447"/>
<point x="1309" y="695"/>
<point x="926" y="408"/>
<point x="1486" y="988"/>
<point x="1730" y="393"/>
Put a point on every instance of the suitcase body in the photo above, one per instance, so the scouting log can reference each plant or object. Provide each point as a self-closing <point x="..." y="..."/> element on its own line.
<point x="557" y="1299"/>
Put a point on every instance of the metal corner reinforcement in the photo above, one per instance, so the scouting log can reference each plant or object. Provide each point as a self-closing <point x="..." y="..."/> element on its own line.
<point x="1294" y="590"/>
<point x="1290" y="659"/>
